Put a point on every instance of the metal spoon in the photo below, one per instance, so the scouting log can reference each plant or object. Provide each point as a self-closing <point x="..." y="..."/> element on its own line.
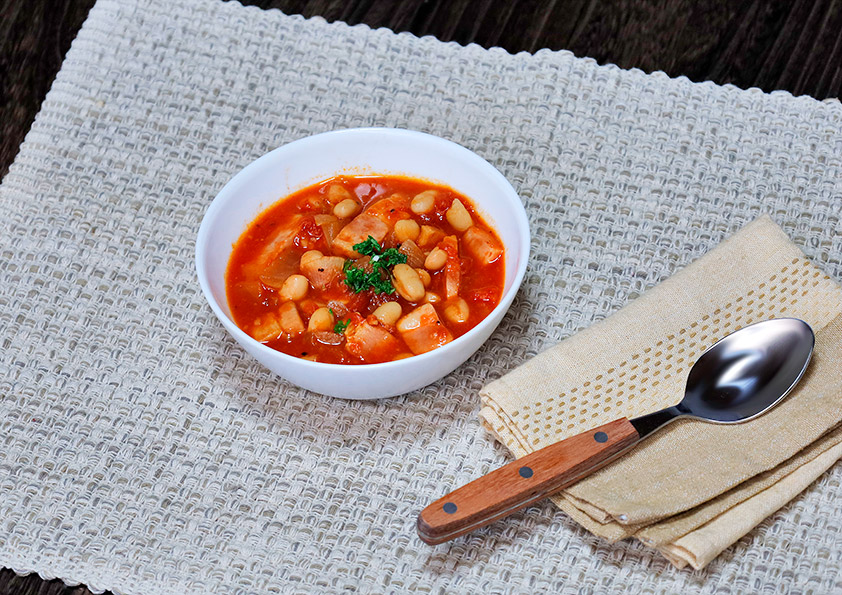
<point x="740" y="377"/>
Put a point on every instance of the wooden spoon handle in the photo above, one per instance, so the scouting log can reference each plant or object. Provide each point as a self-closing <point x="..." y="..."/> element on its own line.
<point x="524" y="481"/>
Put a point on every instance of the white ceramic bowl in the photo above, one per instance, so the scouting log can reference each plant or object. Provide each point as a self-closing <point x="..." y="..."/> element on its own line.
<point x="363" y="151"/>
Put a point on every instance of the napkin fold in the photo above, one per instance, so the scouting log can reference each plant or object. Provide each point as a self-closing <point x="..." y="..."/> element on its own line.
<point x="694" y="488"/>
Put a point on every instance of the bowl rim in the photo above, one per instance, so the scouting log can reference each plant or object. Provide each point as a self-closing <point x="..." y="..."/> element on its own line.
<point x="521" y="220"/>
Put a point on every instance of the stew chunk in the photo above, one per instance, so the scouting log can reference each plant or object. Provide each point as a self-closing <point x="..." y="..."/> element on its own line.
<point x="357" y="231"/>
<point x="482" y="245"/>
<point x="422" y="330"/>
<point x="372" y="343"/>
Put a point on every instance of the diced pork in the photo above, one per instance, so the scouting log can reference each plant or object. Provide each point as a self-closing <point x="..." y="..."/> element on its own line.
<point x="372" y="343"/>
<point x="357" y="231"/>
<point x="266" y="328"/>
<point x="482" y="245"/>
<point x="290" y="319"/>
<point x="422" y="331"/>
<point x="285" y="322"/>
<point x="391" y="210"/>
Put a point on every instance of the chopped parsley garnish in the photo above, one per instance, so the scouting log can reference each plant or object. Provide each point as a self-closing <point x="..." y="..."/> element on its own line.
<point x="389" y="258"/>
<point x="370" y="247"/>
<point x="358" y="279"/>
<point x="340" y="326"/>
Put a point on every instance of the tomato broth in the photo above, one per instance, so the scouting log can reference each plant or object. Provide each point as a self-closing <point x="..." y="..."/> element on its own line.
<point x="358" y="270"/>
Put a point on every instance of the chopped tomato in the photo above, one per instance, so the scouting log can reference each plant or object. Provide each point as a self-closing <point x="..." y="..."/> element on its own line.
<point x="310" y="236"/>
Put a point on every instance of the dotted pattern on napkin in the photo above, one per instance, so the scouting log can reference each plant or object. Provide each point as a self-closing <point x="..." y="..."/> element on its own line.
<point x="654" y="378"/>
<point x="144" y="452"/>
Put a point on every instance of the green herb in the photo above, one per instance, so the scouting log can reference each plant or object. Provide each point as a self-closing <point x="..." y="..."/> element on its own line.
<point x="358" y="279"/>
<point x="380" y="259"/>
<point x="340" y="326"/>
<point x="369" y="247"/>
<point x="389" y="258"/>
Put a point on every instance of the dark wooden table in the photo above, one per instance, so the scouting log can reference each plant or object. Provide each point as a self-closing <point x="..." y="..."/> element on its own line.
<point x="794" y="45"/>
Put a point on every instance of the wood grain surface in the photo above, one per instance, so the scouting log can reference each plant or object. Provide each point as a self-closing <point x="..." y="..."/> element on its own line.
<point x="795" y="45"/>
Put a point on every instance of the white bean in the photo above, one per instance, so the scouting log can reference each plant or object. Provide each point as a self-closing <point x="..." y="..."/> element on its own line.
<point x="457" y="310"/>
<point x="458" y="216"/>
<point x="407" y="229"/>
<point x="424" y="202"/>
<point x="321" y="320"/>
<point x="436" y="259"/>
<point x="388" y="313"/>
<point x="426" y="279"/>
<point x="347" y="208"/>
<point x="309" y="256"/>
<point x="407" y="283"/>
<point x="295" y="288"/>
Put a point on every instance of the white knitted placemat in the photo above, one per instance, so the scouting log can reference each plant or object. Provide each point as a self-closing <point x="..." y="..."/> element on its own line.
<point x="142" y="451"/>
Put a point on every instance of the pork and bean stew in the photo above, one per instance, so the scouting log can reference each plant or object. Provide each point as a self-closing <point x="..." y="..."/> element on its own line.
<point x="363" y="270"/>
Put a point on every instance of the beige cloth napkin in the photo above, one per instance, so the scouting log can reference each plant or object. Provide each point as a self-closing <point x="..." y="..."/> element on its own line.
<point x="694" y="488"/>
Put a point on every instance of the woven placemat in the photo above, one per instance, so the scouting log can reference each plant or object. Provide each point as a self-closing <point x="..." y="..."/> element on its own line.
<point x="142" y="451"/>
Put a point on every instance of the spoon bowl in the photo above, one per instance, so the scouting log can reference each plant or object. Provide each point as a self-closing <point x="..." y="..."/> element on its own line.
<point x="740" y="377"/>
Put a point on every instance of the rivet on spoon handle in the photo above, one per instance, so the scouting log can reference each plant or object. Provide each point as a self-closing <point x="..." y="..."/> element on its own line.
<point x="524" y="481"/>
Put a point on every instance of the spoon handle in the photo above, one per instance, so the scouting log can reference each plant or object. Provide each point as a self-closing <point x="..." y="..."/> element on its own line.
<point x="524" y="481"/>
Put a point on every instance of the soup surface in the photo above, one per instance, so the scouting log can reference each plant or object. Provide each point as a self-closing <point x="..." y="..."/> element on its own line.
<point x="361" y="270"/>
